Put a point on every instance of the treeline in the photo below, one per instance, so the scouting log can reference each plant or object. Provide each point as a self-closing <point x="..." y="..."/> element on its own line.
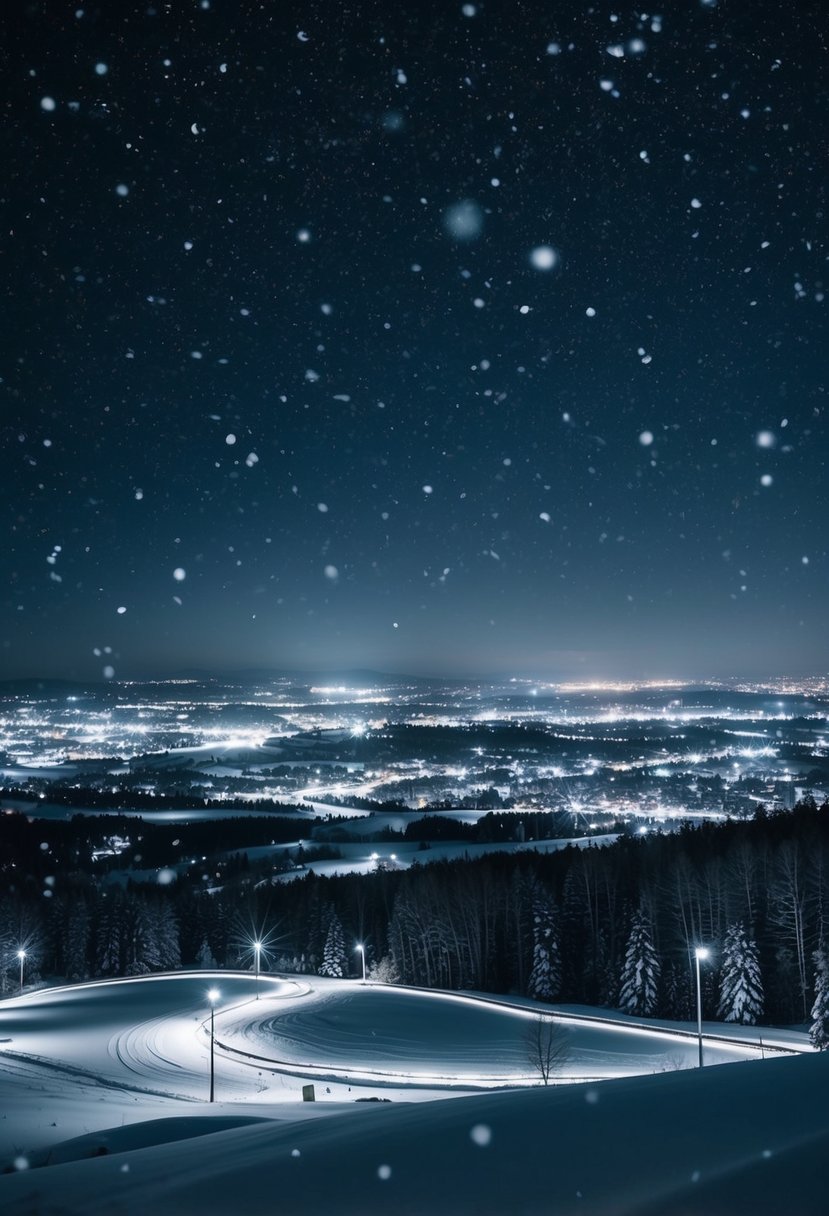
<point x="478" y="800"/>
<point x="573" y="925"/>
<point x="32" y="849"/>
<point x="125" y="799"/>
<point x="492" y="828"/>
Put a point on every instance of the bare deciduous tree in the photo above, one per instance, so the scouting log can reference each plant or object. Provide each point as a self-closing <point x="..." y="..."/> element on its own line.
<point x="546" y="1045"/>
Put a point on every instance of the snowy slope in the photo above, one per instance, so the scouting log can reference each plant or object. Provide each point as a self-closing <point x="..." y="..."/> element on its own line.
<point x="119" y="1069"/>
<point x="748" y="1138"/>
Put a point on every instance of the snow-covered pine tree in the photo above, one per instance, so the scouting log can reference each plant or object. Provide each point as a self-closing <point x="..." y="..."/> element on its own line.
<point x="139" y="939"/>
<point x="640" y="970"/>
<point x="741" y="985"/>
<point x="819" y="1029"/>
<point x="545" y="978"/>
<point x="334" y="961"/>
<point x="384" y="971"/>
<point x="169" y="952"/>
<point x="204" y="956"/>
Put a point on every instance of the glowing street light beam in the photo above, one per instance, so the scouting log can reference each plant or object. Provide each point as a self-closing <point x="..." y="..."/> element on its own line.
<point x="699" y="953"/>
<point x="212" y="996"/>
<point x="362" y="950"/>
<point x="21" y="954"/>
<point x="257" y="949"/>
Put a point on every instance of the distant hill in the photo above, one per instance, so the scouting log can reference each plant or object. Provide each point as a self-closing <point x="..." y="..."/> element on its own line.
<point x="44" y="687"/>
<point x="351" y="676"/>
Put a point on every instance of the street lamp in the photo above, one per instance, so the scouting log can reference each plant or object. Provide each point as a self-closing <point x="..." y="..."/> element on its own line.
<point x="257" y="947"/>
<point x="212" y="996"/>
<point x="362" y="950"/>
<point x="21" y="954"/>
<point x="699" y="952"/>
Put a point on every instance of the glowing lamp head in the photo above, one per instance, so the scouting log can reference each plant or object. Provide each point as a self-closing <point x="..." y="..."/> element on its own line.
<point x="360" y="947"/>
<point x="213" y="995"/>
<point x="701" y="952"/>
<point x="257" y="946"/>
<point x="21" y="954"/>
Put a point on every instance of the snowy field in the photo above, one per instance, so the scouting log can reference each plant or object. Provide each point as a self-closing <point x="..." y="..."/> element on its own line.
<point x="103" y="1090"/>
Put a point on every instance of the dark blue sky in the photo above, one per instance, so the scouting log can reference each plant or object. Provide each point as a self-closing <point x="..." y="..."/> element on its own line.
<point x="282" y="379"/>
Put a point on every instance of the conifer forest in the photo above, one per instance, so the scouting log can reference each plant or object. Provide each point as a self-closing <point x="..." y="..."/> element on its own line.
<point x="613" y="925"/>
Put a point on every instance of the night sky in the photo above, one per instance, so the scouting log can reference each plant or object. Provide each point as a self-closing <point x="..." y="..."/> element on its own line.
<point x="441" y="338"/>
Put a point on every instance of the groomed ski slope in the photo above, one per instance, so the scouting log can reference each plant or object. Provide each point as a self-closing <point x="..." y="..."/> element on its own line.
<point x="120" y="1069"/>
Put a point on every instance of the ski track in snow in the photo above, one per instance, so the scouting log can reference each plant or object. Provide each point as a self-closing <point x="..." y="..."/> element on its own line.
<point x="325" y="1030"/>
<point x="121" y="1068"/>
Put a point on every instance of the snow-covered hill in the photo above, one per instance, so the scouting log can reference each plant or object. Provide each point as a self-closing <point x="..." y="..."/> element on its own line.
<point x="107" y="1083"/>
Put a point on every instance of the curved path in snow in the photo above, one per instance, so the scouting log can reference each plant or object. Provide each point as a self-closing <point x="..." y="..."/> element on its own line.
<point x="415" y="1037"/>
<point x="152" y="1033"/>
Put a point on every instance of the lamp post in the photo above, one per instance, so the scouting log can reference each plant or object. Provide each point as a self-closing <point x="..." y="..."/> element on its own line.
<point x="362" y="950"/>
<point x="257" y="947"/>
<point x="699" y="952"/>
<point x="21" y="954"/>
<point x="212" y="996"/>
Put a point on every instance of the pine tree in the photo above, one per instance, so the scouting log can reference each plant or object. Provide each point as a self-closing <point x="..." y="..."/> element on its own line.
<point x="640" y="971"/>
<point x="140" y="953"/>
<point x="75" y="936"/>
<point x="741" y="985"/>
<point x="384" y="971"/>
<point x="545" y="978"/>
<point x="676" y="1000"/>
<point x="333" y="955"/>
<point x="8" y="945"/>
<point x="167" y="937"/>
<point x="108" y="952"/>
<point x="599" y="971"/>
<point x="819" y="1029"/>
<point x="204" y="956"/>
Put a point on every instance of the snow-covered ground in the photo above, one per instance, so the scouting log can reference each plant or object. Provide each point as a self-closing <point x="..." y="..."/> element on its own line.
<point x="365" y="858"/>
<point x="107" y="1082"/>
